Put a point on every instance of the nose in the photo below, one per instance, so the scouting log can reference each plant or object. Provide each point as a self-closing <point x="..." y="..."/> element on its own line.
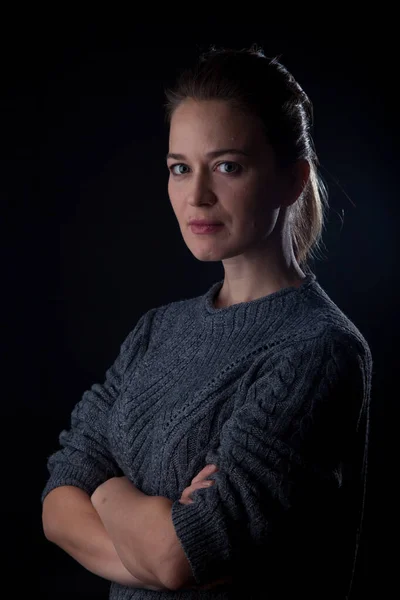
<point x="200" y="190"/>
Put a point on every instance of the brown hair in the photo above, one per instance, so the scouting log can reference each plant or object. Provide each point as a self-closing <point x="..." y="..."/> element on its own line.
<point x="263" y="86"/>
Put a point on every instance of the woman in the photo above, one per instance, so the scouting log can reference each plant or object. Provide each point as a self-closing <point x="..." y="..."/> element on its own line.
<point x="224" y="455"/>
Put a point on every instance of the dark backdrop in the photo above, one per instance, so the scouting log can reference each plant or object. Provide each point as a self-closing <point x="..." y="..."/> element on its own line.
<point x="91" y="242"/>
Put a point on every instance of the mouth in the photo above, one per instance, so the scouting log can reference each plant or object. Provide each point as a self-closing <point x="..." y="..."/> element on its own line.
<point x="204" y="222"/>
<point x="206" y="229"/>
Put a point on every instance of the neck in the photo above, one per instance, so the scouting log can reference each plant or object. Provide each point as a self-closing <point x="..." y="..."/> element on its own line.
<point x="262" y="272"/>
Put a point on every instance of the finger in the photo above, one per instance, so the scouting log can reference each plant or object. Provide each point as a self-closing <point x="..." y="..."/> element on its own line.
<point x="206" y="472"/>
<point x="197" y="486"/>
<point x="186" y="494"/>
<point x="201" y="484"/>
<point x="183" y="500"/>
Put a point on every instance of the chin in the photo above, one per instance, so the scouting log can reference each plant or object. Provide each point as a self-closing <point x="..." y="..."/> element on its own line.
<point x="213" y="252"/>
<point x="205" y="252"/>
<point x="213" y="255"/>
<point x="210" y="257"/>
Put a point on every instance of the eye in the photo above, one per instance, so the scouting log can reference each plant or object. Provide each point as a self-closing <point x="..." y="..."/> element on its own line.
<point x="229" y="167"/>
<point x="179" y="169"/>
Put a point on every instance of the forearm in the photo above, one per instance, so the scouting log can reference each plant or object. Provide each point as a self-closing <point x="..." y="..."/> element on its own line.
<point x="135" y="524"/>
<point x="139" y="526"/>
<point x="80" y="532"/>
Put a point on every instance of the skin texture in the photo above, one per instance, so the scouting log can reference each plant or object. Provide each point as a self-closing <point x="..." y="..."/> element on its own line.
<point x="246" y="190"/>
<point x="142" y="531"/>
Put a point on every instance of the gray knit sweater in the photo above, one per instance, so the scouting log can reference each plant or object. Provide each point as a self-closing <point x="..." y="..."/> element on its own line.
<point x="276" y="393"/>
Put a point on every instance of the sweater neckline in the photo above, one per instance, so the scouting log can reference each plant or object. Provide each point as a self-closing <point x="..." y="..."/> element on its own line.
<point x="267" y="301"/>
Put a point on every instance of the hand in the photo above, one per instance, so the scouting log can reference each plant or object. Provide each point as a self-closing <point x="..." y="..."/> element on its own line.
<point x="198" y="482"/>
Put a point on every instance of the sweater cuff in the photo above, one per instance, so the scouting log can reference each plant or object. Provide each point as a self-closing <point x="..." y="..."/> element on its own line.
<point x="204" y="539"/>
<point x="87" y="480"/>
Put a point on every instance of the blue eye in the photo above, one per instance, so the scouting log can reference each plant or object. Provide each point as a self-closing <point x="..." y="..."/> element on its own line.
<point x="232" y="167"/>
<point x="178" y="169"/>
<point x="229" y="168"/>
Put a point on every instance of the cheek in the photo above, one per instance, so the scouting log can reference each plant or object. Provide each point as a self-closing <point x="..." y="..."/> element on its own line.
<point x="176" y="200"/>
<point x="255" y="207"/>
<point x="173" y="194"/>
<point x="244" y="197"/>
<point x="234" y="194"/>
<point x="170" y="189"/>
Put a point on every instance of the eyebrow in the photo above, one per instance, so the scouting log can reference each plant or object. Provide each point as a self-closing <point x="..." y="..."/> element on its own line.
<point x="212" y="154"/>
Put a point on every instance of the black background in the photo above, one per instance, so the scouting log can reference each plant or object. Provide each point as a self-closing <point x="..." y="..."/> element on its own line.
<point x="91" y="242"/>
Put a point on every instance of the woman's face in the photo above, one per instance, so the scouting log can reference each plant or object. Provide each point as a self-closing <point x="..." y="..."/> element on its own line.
<point x="222" y="169"/>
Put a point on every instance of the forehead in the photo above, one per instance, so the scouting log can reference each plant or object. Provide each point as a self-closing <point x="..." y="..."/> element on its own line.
<point x="211" y="124"/>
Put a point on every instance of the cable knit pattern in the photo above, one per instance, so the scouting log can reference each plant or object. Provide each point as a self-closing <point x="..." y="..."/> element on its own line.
<point x="276" y="393"/>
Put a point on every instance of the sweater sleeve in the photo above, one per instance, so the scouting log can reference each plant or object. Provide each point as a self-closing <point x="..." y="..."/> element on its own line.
<point x="275" y="452"/>
<point x="84" y="459"/>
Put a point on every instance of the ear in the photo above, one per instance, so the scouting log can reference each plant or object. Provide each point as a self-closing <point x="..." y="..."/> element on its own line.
<point x="298" y="176"/>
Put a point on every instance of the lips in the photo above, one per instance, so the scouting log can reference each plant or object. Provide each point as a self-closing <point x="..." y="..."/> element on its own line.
<point x="203" y="223"/>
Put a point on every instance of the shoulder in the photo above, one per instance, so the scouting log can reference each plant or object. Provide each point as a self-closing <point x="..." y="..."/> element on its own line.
<point x="317" y="333"/>
<point x="335" y="346"/>
<point x="323" y="321"/>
